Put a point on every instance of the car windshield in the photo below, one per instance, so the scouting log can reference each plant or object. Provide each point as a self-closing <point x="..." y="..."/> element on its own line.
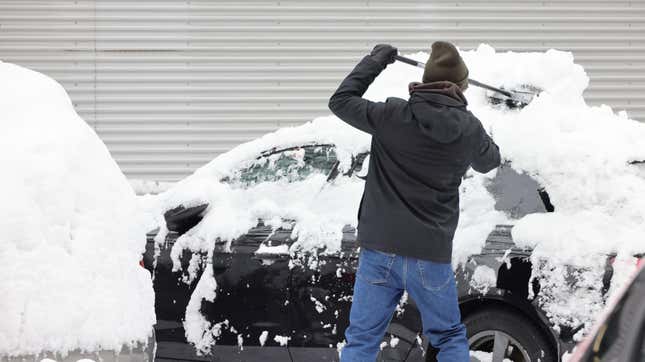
<point x="288" y="165"/>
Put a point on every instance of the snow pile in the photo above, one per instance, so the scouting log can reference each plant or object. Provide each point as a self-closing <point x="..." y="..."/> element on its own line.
<point x="144" y="187"/>
<point x="580" y="154"/>
<point x="71" y="243"/>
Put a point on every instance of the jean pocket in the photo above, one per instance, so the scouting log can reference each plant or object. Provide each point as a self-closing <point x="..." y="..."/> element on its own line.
<point x="434" y="276"/>
<point x="374" y="266"/>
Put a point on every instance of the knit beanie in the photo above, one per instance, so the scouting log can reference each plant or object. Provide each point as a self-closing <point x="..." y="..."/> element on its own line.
<point x="445" y="63"/>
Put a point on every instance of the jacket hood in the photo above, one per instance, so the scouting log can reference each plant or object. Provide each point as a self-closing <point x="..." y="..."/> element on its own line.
<point x="439" y="108"/>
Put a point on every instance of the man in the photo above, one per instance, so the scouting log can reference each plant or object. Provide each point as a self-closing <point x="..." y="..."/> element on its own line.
<point x="421" y="149"/>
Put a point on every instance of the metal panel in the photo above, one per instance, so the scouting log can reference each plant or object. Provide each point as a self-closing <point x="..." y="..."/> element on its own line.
<point x="168" y="85"/>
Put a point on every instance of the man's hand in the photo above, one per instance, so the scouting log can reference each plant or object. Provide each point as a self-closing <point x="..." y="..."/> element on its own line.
<point x="384" y="54"/>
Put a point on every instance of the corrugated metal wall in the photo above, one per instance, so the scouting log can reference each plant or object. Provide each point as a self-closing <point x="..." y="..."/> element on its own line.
<point x="170" y="84"/>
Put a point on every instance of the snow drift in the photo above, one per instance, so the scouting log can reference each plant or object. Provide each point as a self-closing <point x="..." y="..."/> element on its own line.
<point x="580" y="154"/>
<point x="71" y="241"/>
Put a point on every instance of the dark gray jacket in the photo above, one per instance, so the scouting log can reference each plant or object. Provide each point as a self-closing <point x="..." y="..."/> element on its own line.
<point x="421" y="149"/>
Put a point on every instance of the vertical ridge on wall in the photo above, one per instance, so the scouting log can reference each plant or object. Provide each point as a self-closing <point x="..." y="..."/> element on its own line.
<point x="169" y="84"/>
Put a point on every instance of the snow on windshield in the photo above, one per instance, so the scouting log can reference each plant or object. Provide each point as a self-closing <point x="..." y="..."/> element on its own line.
<point x="579" y="153"/>
<point x="71" y="240"/>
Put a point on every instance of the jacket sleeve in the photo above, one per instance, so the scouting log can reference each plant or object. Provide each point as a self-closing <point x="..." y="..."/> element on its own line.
<point x="486" y="155"/>
<point x="347" y="102"/>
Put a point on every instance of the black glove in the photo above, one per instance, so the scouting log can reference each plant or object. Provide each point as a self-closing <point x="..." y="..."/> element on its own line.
<point x="384" y="54"/>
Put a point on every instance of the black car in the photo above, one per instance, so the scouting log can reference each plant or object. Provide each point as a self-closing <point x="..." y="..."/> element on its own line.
<point x="277" y="307"/>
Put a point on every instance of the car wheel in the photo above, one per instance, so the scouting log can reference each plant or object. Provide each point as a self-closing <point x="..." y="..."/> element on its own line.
<point x="505" y="334"/>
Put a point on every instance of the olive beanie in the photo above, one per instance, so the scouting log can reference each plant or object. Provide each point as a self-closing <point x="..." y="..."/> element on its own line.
<point x="445" y="63"/>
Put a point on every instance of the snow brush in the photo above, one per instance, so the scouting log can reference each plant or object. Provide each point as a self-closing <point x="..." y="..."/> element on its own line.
<point x="512" y="98"/>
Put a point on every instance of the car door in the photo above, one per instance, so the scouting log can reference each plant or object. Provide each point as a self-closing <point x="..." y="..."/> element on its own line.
<point x="322" y="289"/>
<point x="254" y="298"/>
<point x="253" y="295"/>
<point x="323" y="294"/>
<point x="322" y="299"/>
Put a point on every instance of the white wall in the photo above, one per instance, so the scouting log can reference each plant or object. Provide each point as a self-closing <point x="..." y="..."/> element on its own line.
<point x="170" y="84"/>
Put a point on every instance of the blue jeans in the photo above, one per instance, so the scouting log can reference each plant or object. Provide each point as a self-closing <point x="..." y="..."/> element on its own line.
<point x="381" y="279"/>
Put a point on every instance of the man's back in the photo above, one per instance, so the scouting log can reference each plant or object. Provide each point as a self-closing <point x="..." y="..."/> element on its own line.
<point x="421" y="148"/>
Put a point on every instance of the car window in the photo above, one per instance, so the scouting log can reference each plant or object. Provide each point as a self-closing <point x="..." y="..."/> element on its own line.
<point x="290" y="165"/>
<point x="518" y="194"/>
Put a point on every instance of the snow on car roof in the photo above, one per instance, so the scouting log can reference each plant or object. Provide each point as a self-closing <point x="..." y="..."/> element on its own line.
<point x="71" y="241"/>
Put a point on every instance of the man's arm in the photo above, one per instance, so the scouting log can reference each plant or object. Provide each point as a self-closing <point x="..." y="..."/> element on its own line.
<point x="347" y="102"/>
<point x="487" y="155"/>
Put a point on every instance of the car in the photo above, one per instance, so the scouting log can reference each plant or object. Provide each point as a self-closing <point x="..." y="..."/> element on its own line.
<point x="620" y="334"/>
<point x="254" y="255"/>
<point x="262" y="289"/>
<point x="78" y="293"/>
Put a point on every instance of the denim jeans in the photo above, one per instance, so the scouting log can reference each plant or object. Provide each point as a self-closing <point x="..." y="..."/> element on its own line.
<point x="381" y="279"/>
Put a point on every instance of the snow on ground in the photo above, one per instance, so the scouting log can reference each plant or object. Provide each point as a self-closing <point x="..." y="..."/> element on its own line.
<point x="579" y="153"/>
<point x="71" y="241"/>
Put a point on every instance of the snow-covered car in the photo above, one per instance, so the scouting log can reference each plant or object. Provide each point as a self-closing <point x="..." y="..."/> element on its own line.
<point x="262" y="289"/>
<point x="255" y="255"/>
<point x="71" y="285"/>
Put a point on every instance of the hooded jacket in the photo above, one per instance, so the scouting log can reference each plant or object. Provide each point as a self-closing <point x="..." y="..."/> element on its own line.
<point x="421" y="148"/>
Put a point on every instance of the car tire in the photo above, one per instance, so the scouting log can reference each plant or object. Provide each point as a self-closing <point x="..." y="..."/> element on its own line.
<point x="524" y="339"/>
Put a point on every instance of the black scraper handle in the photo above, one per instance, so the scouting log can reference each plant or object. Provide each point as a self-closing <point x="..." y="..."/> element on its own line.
<point x="489" y="87"/>
<point x="409" y="61"/>
<point x="470" y="80"/>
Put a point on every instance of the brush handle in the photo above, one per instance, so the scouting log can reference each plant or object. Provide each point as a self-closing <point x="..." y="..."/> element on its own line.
<point x="470" y="81"/>
<point x="489" y="87"/>
<point x="409" y="61"/>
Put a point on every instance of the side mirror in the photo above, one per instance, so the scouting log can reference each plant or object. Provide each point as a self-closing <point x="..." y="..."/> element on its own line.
<point x="181" y="219"/>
